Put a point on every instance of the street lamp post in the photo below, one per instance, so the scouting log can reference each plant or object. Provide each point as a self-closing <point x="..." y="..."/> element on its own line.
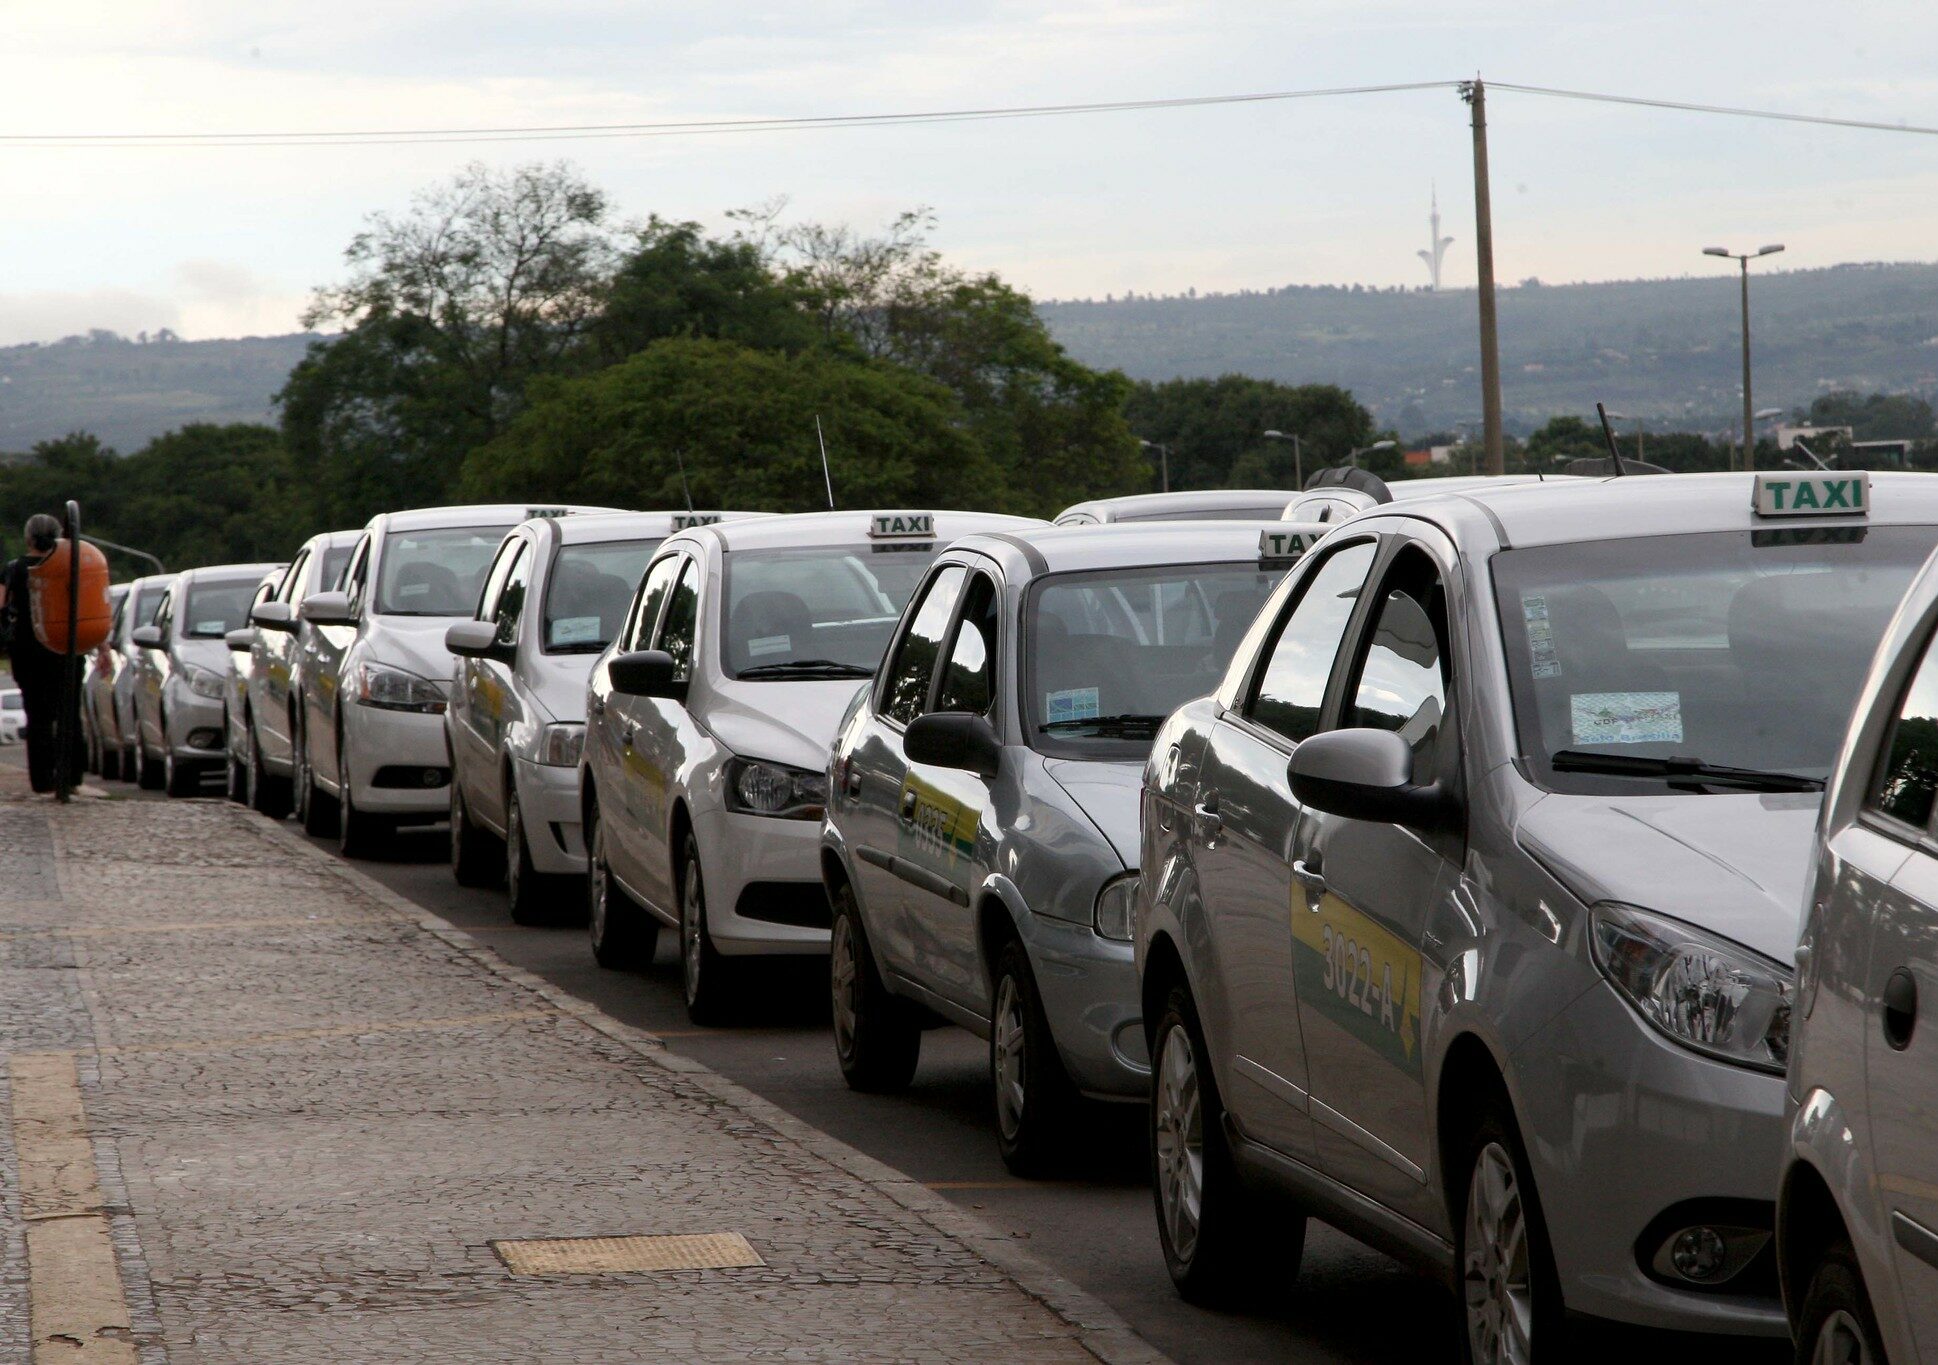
<point x="1743" y="258"/>
<point x="1298" y="457"/>
<point x="1164" y="460"/>
<point x="1352" y="456"/>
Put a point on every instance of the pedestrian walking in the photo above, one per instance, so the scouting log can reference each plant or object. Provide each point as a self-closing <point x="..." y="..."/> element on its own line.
<point x="36" y="668"/>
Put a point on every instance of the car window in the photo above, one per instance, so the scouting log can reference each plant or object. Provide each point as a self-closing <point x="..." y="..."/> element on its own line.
<point x="1299" y="658"/>
<point x="330" y="571"/>
<point x="165" y="612"/>
<point x="969" y="678"/>
<point x="652" y="595"/>
<point x="1402" y="682"/>
<point x="494" y="584"/>
<point x="1907" y="778"/>
<point x="677" y="631"/>
<point x="587" y="591"/>
<point x="907" y="688"/>
<point x="436" y="572"/>
<point x="287" y="588"/>
<point x="511" y="598"/>
<point x="355" y="577"/>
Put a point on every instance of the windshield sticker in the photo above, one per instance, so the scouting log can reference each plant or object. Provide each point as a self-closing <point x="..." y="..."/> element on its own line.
<point x="575" y="630"/>
<point x="1626" y="717"/>
<point x="209" y="628"/>
<point x="1541" y="656"/>
<point x="413" y="590"/>
<point x="1072" y="703"/>
<point x="770" y="644"/>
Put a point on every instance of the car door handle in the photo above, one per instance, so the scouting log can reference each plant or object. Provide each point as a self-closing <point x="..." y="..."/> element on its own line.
<point x="1313" y="880"/>
<point x="1206" y="813"/>
<point x="852" y="785"/>
<point x="908" y="804"/>
<point x="1900" y="1008"/>
<point x="597" y="706"/>
<point x="627" y="735"/>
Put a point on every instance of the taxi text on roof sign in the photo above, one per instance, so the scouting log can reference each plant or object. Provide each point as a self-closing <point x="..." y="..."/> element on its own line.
<point x="1812" y="495"/>
<point x="532" y="513"/>
<point x="902" y="526"/>
<point x="1284" y="544"/>
<point x="686" y="521"/>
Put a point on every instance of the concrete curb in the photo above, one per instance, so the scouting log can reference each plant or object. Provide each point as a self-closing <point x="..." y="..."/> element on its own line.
<point x="1099" y="1330"/>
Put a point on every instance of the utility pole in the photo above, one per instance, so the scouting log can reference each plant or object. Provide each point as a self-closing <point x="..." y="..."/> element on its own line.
<point x="1475" y="93"/>
<point x="1298" y="459"/>
<point x="1743" y="259"/>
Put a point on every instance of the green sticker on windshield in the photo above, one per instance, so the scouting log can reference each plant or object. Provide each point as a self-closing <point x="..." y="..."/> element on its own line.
<point x="1072" y="703"/>
<point x="1626" y="717"/>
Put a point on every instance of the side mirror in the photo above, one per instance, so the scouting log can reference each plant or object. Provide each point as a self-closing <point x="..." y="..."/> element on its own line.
<point x="147" y="637"/>
<point x="954" y="739"/>
<point x="646" y="673"/>
<point x="478" y="640"/>
<point x="274" y="616"/>
<point x="1364" y="774"/>
<point x="328" y="609"/>
<point x="240" y="639"/>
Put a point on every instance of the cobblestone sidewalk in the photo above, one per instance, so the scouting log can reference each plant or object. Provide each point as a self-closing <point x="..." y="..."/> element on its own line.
<point x="261" y="1110"/>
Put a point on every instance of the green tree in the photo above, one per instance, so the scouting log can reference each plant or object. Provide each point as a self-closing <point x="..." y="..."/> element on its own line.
<point x="677" y="282"/>
<point x="210" y="494"/>
<point x="1876" y="417"/>
<point x="1215" y="428"/>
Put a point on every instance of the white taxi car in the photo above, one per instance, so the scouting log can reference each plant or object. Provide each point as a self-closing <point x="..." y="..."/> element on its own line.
<point x="708" y="727"/>
<point x="370" y="749"/>
<point x="517" y="715"/>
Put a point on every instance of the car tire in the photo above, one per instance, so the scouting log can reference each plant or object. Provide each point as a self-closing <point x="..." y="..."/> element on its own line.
<point x="1836" y="1321"/>
<point x="264" y="792"/>
<point x="1509" y="1294"/>
<point x="111" y="763"/>
<point x="238" y="783"/>
<point x="623" y="934"/>
<point x="477" y="859"/>
<point x="877" y="1037"/>
<point x="151" y="775"/>
<point x="1034" y="1099"/>
<point x="178" y="778"/>
<point x="1216" y="1246"/>
<point x="705" y="976"/>
<point x="315" y="807"/>
<point x="359" y="834"/>
<point x="535" y="897"/>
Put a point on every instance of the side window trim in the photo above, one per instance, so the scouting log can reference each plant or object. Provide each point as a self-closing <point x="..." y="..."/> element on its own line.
<point x="1247" y="698"/>
<point x="885" y="674"/>
<point x="640" y="633"/>
<point x="688" y="566"/>
<point x="291" y="577"/>
<point x="950" y="633"/>
<point x="1870" y="808"/>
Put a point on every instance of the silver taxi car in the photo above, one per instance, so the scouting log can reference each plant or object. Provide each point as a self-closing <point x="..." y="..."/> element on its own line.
<point x="980" y="849"/>
<point x="1857" y="1215"/>
<point x="181" y="674"/>
<point x="516" y="721"/>
<point x="1333" y="495"/>
<point x="137" y="609"/>
<point x="1468" y="899"/>
<point x="235" y="721"/>
<point x="1197" y="504"/>
<point x="280" y="637"/>
<point x="99" y="732"/>
<point x="708" y="724"/>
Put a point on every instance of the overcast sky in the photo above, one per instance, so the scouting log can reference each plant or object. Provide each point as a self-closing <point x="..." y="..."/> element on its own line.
<point x="228" y="241"/>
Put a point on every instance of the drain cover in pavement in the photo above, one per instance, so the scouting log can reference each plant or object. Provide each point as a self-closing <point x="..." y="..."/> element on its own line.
<point x="612" y="1255"/>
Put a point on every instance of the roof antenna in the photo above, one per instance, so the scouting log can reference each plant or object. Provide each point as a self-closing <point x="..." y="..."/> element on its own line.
<point x="823" y="442"/>
<point x="1608" y="434"/>
<point x="680" y="455"/>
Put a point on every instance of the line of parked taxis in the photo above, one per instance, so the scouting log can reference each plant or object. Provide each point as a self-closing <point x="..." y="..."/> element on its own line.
<point x="1431" y="861"/>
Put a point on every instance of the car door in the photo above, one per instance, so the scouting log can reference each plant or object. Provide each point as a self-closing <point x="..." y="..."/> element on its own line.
<point x="611" y="719"/>
<point x="876" y="774"/>
<point x="270" y="656"/>
<point x="323" y="652"/>
<point x="1246" y="823"/>
<point x="1365" y="893"/>
<point x="941" y="810"/>
<point x="154" y="673"/>
<point x="481" y="688"/>
<point x="664" y="734"/>
<point x="1896" y="973"/>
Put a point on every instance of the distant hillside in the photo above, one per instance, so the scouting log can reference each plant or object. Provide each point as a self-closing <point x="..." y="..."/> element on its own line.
<point x="128" y="391"/>
<point x="1665" y="350"/>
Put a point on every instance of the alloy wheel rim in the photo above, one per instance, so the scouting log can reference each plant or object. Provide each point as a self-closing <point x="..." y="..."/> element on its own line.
<point x="1007" y="1043"/>
<point x="841" y="960"/>
<point x="1498" y="1290"/>
<point x="300" y="768"/>
<point x="1840" y="1341"/>
<point x="457" y="823"/>
<point x="1178" y="1123"/>
<point x="692" y="906"/>
<point x="596" y="886"/>
<point x="514" y="845"/>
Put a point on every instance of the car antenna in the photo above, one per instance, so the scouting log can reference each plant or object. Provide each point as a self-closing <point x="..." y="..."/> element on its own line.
<point x="822" y="441"/>
<point x="1608" y="434"/>
<point x="680" y="456"/>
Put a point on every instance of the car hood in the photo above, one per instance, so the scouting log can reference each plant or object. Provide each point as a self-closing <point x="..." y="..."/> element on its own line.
<point x="558" y="683"/>
<point x="787" y="722"/>
<point x="413" y="643"/>
<point x="210" y="654"/>
<point x="1108" y="793"/>
<point x="1736" y="864"/>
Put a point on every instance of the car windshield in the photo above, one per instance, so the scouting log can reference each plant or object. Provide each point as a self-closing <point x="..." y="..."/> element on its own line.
<point x="331" y="569"/>
<point x="215" y="608"/>
<point x="588" y="593"/>
<point x="1108" y="655"/>
<point x="1725" y="650"/>
<point x="436" y="573"/>
<point x="13" y="701"/>
<point x="145" y="603"/>
<point x="830" y="609"/>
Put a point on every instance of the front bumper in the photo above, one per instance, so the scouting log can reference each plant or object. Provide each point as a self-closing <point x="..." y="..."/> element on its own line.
<point x="1090" y="996"/>
<point x="375" y="739"/>
<point x="553" y="832"/>
<point x="202" y="718"/>
<point x="761" y="860"/>
<point x="1622" y="1125"/>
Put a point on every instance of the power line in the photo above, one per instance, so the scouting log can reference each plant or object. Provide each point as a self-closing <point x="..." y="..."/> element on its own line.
<point x="1730" y="111"/>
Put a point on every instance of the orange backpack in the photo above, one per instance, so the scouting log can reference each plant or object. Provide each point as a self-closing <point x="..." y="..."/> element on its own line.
<point x="47" y="587"/>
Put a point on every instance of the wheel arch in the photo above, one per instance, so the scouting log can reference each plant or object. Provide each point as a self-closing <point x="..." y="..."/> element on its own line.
<point x="1163" y="969"/>
<point x="1470" y="1076"/>
<point x="1808" y="1221"/>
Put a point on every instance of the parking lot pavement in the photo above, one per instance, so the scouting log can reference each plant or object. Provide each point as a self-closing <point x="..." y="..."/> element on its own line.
<point x="263" y="1110"/>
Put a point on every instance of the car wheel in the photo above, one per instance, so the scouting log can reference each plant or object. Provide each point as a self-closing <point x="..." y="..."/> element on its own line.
<point x="536" y="898"/>
<point x="111" y="762"/>
<point x="1034" y="1098"/>
<point x="703" y="971"/>
<point x="178" y="778"/>
<point x="623" y="935"/>
<point x="477" y="859"/>
<point x="266" y="793"/>
<point x="358" y="833"/>
<point x="1510" y="1295"/>
<point x="151" y="774"/>
<point x="316" y="809"/>
<point x="1836" y="1325"/>
<point x="877" y="1038"/>
<point x="238" y="784"/>
<point x="1208" y="1225"/>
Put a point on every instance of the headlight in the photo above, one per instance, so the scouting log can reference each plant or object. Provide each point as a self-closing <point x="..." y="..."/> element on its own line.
<point x="757" y="788"/>
<point x="1117" y="908"/>
<point x="561" y="745"/>
<point x="1702" y="991"/>
<point x="203" y="682"/>
<point x="393" y="689"/>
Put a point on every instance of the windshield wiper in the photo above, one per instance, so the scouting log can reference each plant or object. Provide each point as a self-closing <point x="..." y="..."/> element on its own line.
<point x="586" y="647"/>
<point x="1714" y="774"/>
<point x="1117" y="724"/>
<point x="807" y="668"/>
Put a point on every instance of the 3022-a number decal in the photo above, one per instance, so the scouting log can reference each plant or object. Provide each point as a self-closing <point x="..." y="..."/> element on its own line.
<point x="1349" y="975"/>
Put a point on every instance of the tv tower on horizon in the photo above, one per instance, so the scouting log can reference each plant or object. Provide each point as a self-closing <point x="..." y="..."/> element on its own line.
<point x="1432" y="256"/>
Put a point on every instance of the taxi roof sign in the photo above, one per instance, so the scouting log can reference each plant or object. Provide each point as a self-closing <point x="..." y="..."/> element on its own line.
<point x="902" y="526"/>
<point x="533" y="513"/>
<point x="686" y="521"/>
<point x="1284" y="545"/>
<point x="1813" y="494"/>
